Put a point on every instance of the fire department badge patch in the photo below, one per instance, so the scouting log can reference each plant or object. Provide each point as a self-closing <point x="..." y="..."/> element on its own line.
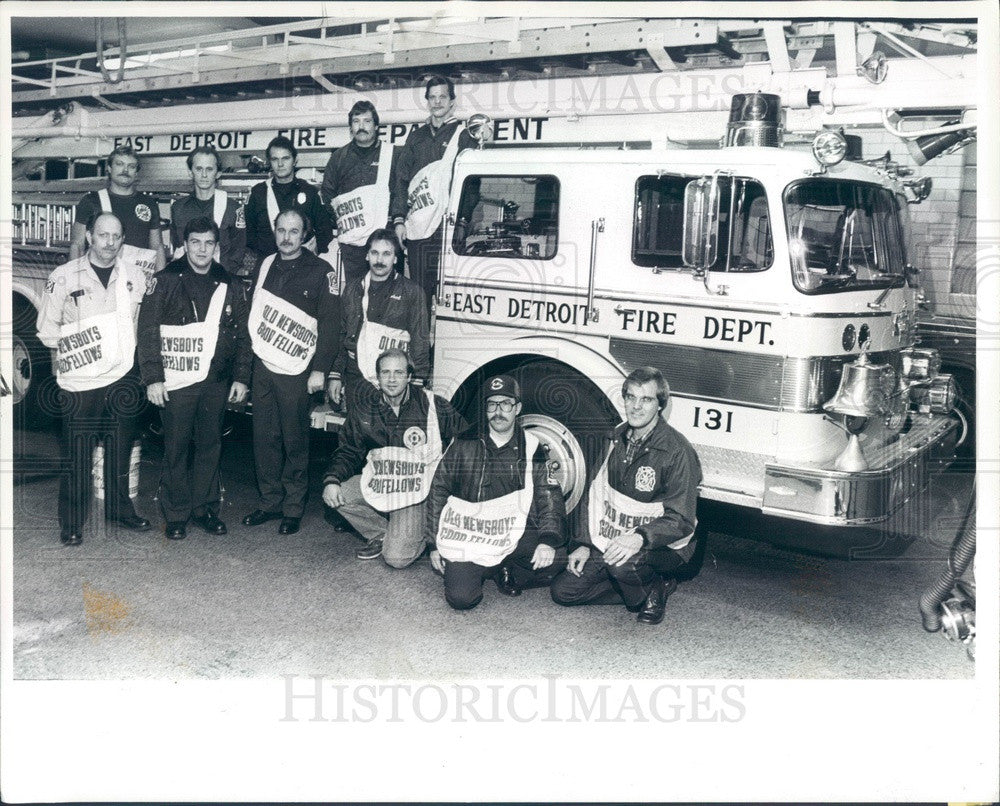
<point x="143" y="213"/>
<point x="414" y="436"/>
<point x="301" y="198"/>
<point x="333" y="280"/>
<point x="150" y="285"/>
<point x="645" y="479"/>
<point x="241" y="217"/>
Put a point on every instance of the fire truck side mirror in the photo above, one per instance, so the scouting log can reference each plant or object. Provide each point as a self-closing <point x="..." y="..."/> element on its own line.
<point x="701" y="224"/>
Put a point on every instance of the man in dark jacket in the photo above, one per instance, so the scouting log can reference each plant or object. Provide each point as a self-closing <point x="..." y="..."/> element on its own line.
<point x="284" y="191"/>
<point x="356" y="188"/>
<point x="421" y="182"/>
<point x="381" y="310"/>
<point x="295" y="330"/>
<point x="397" y="434"/>
<point x="492" y="509"/>
<point x="639" y="514"/>
<point x="194" y="352"/>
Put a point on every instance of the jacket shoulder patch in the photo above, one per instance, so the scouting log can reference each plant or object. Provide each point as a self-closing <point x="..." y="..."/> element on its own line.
<point x="645" y="479"/>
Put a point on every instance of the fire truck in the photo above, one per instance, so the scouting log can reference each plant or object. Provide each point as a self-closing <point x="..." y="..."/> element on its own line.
<point x="770" y="282"/>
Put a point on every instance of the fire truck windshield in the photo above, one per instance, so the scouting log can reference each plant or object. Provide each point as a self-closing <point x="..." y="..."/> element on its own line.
<point x="843" y="236"/>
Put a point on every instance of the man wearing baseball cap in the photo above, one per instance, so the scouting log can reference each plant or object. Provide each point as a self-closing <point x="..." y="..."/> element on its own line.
<point x="492" y="511"/>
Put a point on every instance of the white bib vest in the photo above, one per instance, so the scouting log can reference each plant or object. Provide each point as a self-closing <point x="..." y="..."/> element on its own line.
<point x="427" y="194"/>
<point x="395" y="477"/>
<point x="188" y="350"/>
<point x="98" y="350"/>
<point x="219" y="202"/>
<point x="374" y="338"/>
<point x="284" y="337"/>
<point x="612" y="513"/>
<point x="361" y="211"/>
<point x="143" y="257"/>
<point x="486" y="532"/>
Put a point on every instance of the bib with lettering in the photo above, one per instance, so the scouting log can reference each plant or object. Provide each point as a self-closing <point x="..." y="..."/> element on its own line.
<point x="395" y="477"/>
<point x="98" y="350"/>
<point x="283" y="336"/>
<point x="220" y="200"/>
<point x="486" y="532"/>
<point x="374" y="338"/>
<point x="427" y="194"/>
<point x="613" y="513"/>
<point x="361" y="211"/>
<point x="188" y="350"/>
<point x="142" y="257"/>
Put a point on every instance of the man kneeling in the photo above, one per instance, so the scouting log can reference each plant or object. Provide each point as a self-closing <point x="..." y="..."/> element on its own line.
<point x="393" y="438"/>
<point x="639" y="514"/>
<point x="492" y="510"/>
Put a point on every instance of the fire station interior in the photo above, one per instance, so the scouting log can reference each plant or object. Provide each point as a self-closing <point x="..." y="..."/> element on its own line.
<point x="772" y="598"/>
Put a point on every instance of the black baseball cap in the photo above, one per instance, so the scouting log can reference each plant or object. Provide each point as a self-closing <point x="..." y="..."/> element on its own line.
<point x="502" y="385"/>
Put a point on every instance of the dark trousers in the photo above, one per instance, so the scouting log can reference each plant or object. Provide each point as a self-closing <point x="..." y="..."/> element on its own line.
<point x="601" y="583"/>
<point x="281" y="439"/>
<point x="463" y="581"/>
<point x="424" y="259"/>
<point x="354" y="259"/>
<point x="192" y="415"/>
<point x="111" y="414"/>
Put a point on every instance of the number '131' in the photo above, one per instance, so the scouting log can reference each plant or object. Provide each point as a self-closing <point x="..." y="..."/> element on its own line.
<point x="713" y="419"/>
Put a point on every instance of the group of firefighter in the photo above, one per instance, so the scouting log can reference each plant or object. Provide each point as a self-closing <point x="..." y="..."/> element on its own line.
<point x="329" y="308"/>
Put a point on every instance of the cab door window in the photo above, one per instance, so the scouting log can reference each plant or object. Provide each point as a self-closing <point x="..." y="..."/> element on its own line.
<point x="508" y="217"/>
<point x="745" y="243"/>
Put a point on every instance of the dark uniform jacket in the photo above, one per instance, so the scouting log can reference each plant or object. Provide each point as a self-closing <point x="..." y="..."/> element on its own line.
<point x="351" y="167"/>
<point x="174" y="297"/>
<point x="475" y="469"/>
<point x="232" y="232"/>
<point x="138" y="212"/>
<point x="260" y="235"/>
<point x="424" y="145"/>
<point x="676" y="474"/>
<point x="306" y="283"/>
<point x="373" y="424"/>
<point x="397" y="302"/>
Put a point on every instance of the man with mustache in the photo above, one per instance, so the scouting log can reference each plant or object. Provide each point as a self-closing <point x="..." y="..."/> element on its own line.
<point x="88" y="316"/>
<point x="492" y="510"/>
<point x="356" y="188"/>
<point x="295" y="331"/>
<point x="381" y="310"/>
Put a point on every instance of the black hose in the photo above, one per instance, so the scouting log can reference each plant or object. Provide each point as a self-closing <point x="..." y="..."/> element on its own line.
<point x="963" y="549"/>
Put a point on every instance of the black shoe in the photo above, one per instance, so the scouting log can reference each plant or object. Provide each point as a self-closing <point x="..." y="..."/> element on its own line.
<point x="656" y="602"/>
<point x="289" y="526"/>
<point x="134" y="522"/>
<point x="210" y="523"/>
<point x="70" y="538"/>
<point x="259" y="516"/>
<point x="505" y="582"/>
<point x="175" y="530"/>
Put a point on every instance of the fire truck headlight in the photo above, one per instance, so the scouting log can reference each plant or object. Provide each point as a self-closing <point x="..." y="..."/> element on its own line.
<point x="829" y="148"/>
<point x="937" y="397"/>
<point x="920" y="364"/>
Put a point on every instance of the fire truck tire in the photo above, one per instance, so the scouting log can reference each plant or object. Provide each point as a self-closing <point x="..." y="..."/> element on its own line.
<point x="965" y="408"/>
<point x="33" y="386"/>
<point x="562" y="407"/>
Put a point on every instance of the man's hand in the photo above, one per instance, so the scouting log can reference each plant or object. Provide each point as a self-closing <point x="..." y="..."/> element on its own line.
<point x="543" y="556"/>
<point x="623" y="548"/>
<point x="577" y="559"/>
<point x="238" y="392"/>
<point x="437" y="561"/>
<point x="335" y="389"/>
<point x="401" y="234"/>
<point x="156" y="393"/>
<point x="315" y="382"/>
<point x="332" y="496"/>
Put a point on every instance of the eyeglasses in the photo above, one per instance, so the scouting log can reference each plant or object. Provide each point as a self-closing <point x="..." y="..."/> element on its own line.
<point x="631" y="400"/>
<point x="506" y="406"/>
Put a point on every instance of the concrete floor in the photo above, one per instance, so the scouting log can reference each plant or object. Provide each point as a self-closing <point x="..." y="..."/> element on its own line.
<point x="256" y="604"/>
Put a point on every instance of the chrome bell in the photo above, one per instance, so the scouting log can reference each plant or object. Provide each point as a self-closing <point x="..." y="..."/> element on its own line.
<point x="864" y="389"/>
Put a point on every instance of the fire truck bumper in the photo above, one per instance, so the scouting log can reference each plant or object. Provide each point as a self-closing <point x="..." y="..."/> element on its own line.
<point x="897" y="473"/>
